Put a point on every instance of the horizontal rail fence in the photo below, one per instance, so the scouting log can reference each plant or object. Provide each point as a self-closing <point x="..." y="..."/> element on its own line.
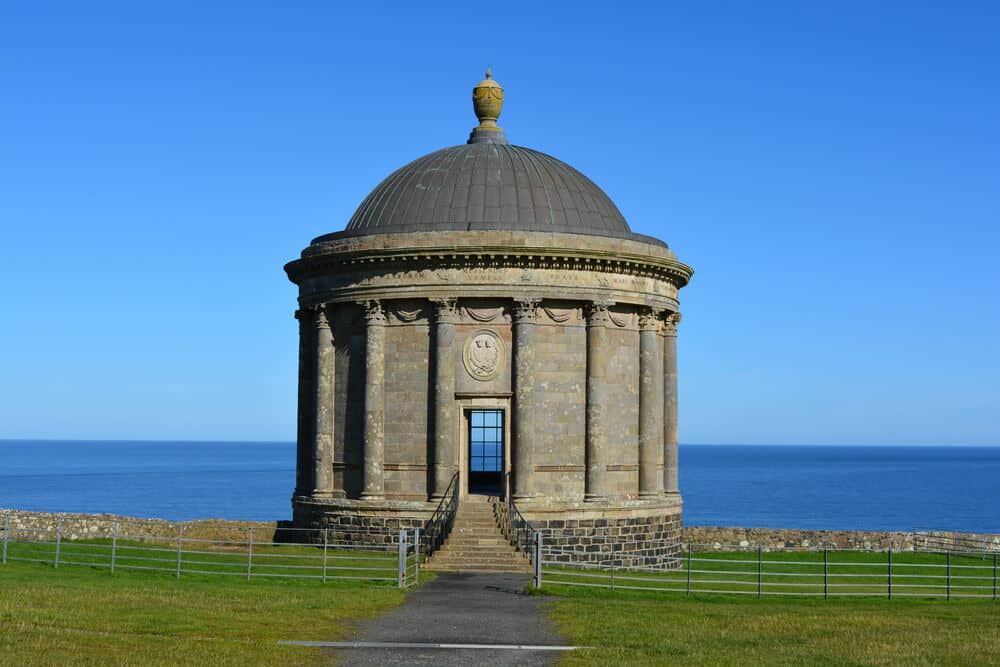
<point x="293" y="553"/>
<point x="826" y="573"/>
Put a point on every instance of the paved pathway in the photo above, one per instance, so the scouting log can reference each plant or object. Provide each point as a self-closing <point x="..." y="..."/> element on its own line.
<point x="460" y="608"/>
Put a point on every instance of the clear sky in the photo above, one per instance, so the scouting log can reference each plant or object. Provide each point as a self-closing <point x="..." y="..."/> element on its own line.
<point x="831" y="170"/>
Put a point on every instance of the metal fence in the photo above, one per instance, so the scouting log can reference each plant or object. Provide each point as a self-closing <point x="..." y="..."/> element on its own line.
<point x="292" y="553"/>
<point x="825" y="573"/>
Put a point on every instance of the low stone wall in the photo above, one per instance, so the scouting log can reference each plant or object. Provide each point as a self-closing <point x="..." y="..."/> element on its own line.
<point x="639" y="540"/>
<point x="93" y="526"/>
<point x="727" y="538"/>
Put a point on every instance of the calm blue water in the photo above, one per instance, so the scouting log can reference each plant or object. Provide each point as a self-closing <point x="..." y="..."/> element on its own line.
<point x="865" y="488"/>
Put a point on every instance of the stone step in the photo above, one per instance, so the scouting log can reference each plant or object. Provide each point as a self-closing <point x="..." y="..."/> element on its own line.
<point x="474" y="568"/>
<point x="478" y="562"/>
<point x="465" y="538"/>
<point x="474" y="552"/>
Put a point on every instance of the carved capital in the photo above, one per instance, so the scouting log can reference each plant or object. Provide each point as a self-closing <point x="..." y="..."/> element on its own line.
<point x="598" y="314"/>
<point x="374" y="312"/>
<point x="446" y="310"/>
<point x="670" y="323"/>
<point x="649" y="319"/>
<point x="526" y="310"/>
<point x="321" y="318"/>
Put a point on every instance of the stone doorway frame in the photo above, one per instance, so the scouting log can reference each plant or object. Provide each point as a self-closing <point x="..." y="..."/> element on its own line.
<point x="465" y="404"/>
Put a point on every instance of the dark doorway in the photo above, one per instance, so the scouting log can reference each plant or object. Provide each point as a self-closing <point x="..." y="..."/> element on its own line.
<point x="486" y="452"/>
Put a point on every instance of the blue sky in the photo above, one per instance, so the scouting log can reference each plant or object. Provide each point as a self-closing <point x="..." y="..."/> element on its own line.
<point x="831" y="170"/>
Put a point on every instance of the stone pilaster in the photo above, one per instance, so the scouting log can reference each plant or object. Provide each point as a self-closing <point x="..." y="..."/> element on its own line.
<point x="650" y="405"/>
<point x="323" y="374"/>
<point x="445" y="452"/>
<point x="597" y="454"/>
<point x="522" y="456"/>
<point x="374" y="442"/>
<point x="304" y="437"/>
<point x="670" y="403"/>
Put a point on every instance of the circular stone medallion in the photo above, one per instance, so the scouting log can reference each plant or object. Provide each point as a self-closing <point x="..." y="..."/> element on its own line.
<point x="482" y="354"/>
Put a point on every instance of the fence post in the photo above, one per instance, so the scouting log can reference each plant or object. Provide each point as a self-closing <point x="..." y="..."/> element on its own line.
<point x="538" y="559"/>
<point x="826" y="574"/>
<point x="994" y="577"/>
<point x="114" y="545"/>
<point x="613" y="568"/>
<point x="760" y="568"/>
<point x="947" y="556"/>
<point x="890" y="573"/>
<point x="326" y="542"/>
<point x="58" y="539"/>
<point x="180" y="538"/>
<point x="401" y="563"/>
<point x="416" y="556"/>
<point x="689" y="570"/>
<point x="6" y="530"/>
<point x="250" y="555"/>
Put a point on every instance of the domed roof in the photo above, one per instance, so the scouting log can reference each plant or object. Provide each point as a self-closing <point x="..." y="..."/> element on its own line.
<point x="488" y="184"/>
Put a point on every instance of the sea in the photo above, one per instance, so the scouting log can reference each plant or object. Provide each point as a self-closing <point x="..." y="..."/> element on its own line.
<point x="786" y="486"/>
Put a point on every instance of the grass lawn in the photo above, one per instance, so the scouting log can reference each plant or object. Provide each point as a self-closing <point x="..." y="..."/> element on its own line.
<point x="83" y="615"/>
<point x="644" y="628"/>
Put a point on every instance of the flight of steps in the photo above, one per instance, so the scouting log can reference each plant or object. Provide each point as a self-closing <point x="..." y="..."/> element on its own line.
<point x="476" y="544"/>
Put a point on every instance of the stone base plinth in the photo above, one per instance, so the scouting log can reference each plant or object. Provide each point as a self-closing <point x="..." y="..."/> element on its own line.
<point x="360" y="521"/>
<point x="641" y="533"/>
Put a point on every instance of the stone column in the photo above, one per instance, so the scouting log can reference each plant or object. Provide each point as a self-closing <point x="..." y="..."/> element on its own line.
<point x="596" y="482"/>
<point x="670" y="402"/>
<point x="323" y="378"/>
<point x="374" y="443"/>
<point x="522" y="455"/>
<point x="650" y="405"/>
<point x="445" y="451"/>
<point x="304" y="438"/>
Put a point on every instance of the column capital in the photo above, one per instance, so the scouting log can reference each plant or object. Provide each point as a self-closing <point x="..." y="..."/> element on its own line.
<point x="374" y="312"/>
<point x="526" y="309"/>
<point x="670" y="323"/>
<point x="320" y="317"/>
<point x="649" y="319"/>
<point x="446" y="310"/>
<point x="598" y="314"/>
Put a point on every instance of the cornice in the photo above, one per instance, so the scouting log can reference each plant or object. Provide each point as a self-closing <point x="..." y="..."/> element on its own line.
<point x="335" y="258"/>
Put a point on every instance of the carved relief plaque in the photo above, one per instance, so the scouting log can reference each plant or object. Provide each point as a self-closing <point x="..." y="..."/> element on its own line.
<point x="483" y="355"/>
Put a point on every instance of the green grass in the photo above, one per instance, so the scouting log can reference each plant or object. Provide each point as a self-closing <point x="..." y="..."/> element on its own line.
<point x="648" y="628"/>
<point x="848" y="573"/>
<point x="86" y="615"/>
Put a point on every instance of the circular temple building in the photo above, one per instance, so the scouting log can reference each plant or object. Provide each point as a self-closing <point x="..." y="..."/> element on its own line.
<point x="487" y="324"/>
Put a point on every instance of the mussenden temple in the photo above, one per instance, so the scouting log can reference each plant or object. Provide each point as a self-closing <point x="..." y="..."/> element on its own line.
<point x="488" y="337"/>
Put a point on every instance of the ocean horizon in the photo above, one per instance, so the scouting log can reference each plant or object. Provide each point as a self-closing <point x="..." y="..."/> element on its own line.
<point x="818" y="487"/>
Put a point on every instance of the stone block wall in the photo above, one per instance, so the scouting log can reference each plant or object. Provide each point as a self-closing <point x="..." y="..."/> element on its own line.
<point x="634" y="541"/>
<point x="560" y="385"/>
<point x="407" y="385"/>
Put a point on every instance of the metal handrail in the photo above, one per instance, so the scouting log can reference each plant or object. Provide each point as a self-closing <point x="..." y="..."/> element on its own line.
<point x="518" y="529"/>
<point x="439" y="525"/>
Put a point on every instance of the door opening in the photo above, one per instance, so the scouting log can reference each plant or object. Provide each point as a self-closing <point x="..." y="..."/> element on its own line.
<point x="486" y="438"/>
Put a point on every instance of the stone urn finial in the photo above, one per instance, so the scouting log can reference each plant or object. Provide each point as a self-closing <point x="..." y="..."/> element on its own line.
<point x="487" y="102"/>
